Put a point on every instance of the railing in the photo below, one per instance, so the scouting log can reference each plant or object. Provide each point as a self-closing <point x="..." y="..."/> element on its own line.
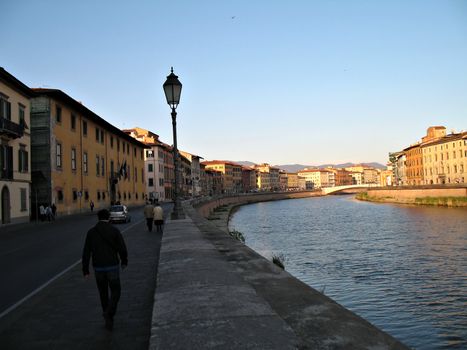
<point x="12" y="129"/>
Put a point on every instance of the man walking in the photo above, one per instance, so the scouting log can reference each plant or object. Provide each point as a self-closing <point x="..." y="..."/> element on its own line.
<point x="158" y="217"/>
<point x="149" y="214"/>
<point x="105" y="245"/>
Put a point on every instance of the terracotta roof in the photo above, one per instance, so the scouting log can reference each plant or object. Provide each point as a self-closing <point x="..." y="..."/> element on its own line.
<point x="227" y="162"/>
<point x="446" y="139"/>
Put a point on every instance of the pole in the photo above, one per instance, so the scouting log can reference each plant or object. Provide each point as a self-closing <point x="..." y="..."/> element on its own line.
<point x="177" y="212"/>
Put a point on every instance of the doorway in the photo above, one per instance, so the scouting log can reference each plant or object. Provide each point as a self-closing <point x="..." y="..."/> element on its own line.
<point x="5" y="205"/>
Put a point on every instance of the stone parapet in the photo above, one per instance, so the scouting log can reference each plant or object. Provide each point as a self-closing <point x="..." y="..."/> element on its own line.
<point x="317" y="321"/>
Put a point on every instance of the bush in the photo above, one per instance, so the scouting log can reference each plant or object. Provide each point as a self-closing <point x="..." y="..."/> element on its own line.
<point x="237" y="235"/>
<point x="279" y="260"/>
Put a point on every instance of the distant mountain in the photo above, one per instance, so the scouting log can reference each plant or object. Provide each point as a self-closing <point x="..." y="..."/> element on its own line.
<point x="245" y="163"/>
<point x="293" y="168"/>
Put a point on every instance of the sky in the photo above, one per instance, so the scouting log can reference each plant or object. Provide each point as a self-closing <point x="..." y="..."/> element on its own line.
<point x="280" y="82"/>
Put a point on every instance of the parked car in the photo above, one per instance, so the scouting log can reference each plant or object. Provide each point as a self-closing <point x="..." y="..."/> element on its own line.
<point x="119" y="213"/>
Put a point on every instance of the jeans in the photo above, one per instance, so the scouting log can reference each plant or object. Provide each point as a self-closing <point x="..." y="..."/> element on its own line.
<point x="105" y="281"/>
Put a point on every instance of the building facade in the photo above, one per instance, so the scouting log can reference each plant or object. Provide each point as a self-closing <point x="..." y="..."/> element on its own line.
<point x="78" y="157"/>
<point x="15" y="150"/>
<point x="414" y="165"/>
<point x="231" y="173"/>
<point x="445" y="159"/>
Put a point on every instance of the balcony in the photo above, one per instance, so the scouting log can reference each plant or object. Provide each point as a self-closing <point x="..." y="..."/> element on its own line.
<point x="10" y="129"/>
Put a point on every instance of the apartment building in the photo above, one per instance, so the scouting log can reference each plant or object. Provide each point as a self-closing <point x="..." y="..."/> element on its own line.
<point x="371" y="176"/>
<point x="195" y="162"/>
<point x="445" y="159"/>
<point x="78" y="157"/>
<point x="267" y="177"/>
<point x="312" y="178"/>
<point x="414" y="165"/>
<point x="231" y="173"/>
<point x="15" y="149"/>
<point x="292" y="182"/>
<point x="249" y="179"/>
<point x="213" y="182"/>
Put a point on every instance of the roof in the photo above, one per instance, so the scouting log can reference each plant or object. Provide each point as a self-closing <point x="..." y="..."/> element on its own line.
<point x="445" y="139"/>
<point x="79" y="107"/>
<point x="11" y="81"/>
<point x="226" y="162"/>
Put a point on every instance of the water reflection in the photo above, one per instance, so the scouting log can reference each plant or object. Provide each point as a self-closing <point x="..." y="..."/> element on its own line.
<point x="403" y="268"/>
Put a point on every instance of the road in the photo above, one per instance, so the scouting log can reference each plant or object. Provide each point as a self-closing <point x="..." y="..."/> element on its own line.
<point x="33" y="254"/>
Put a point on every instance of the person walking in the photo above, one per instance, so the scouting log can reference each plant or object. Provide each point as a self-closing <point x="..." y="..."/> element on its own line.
<point x="149" y="214"/>
<point x="106" y="247"/>
<point x="91" y="204"/>
<point x="48" y="213"/>
<point x="158" y="215"/>
<point x="54" y="211"/>
<point x="42" y="212"/>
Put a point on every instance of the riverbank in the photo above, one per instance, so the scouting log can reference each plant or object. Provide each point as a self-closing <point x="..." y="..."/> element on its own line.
<point x="317" y="321"/>
<point x="426" y="195"/>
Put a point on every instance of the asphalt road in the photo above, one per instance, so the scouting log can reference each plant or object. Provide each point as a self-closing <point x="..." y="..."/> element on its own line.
<point x="33" y="254"/>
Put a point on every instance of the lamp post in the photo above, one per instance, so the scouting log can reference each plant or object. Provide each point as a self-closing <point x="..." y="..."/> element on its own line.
<point x="173" y="89"/>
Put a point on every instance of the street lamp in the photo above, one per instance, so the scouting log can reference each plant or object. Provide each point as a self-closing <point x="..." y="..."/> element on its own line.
<point x="172" y="90"/>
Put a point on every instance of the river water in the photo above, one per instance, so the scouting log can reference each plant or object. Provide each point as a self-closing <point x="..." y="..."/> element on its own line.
<point x="403" y="268"/>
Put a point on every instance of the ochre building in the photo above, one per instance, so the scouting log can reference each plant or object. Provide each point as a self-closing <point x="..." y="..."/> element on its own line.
<point x="78" y="157"/>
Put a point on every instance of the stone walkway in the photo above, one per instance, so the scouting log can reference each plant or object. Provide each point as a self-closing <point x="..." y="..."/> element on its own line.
<point x="67" y="313"/>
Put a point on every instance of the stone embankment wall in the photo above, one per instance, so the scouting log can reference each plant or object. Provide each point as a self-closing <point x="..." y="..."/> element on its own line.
<point x="429" y="195"/>
<point x="318" y="321"/>
<point x="206" y="206"/>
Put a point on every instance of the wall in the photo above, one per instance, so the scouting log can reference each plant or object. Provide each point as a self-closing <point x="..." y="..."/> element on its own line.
<point x="205" y="207"/>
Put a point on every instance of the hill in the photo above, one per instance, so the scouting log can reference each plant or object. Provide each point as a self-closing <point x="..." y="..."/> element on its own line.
<point x="293" y="168"/>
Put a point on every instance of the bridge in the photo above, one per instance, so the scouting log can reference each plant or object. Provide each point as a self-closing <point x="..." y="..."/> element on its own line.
<point x="329" y="190"/>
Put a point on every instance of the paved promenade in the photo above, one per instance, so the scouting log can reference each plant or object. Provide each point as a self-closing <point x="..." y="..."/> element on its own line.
<point x="67" y="314"/>
<point x="207" y="291"/>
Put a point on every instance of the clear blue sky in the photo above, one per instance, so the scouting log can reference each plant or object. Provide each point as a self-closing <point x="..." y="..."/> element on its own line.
<point x="273" y="81"/>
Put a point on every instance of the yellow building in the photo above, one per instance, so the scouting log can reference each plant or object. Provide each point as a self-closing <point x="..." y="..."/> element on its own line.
<point x="231" y="172"/>
<point x="268" y="178"/>
<point x="78" y="157"/>
<point x="445" y="159"/>
<point x="15" y="148"/>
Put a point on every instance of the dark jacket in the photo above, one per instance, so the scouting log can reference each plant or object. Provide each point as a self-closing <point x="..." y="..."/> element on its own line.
<point x="105" y="244"/>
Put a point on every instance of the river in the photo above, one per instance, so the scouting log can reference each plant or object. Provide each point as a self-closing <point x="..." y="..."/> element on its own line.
<point x="403" y="268"/>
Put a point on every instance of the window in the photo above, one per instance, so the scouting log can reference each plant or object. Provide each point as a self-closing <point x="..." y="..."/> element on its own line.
<point x="21" y="113"/>
<point x="23" y="159"/>
<point x="86" y="195"/>
<point x="85" y="162"/>
<point x="102" y="166"/>
<point x="60" y="195"/>
<point x="150" y="182"/>
<point x="102" y="136"/>
<point x="73" y="122"/>
<point x="5" y="107"/>
<point x="73" y="159"/>
<point x="58" y="114"/>
<point x="136" y="174"/>
<point x="111" y="142"/>
<point x="24" y="194"/>
<point x="134" y="151"/>
<point x="149" y="154"/>
<point x="59" y="155"/>
<point x="111" y="167"/>
<point x="75" y="195"/>
<point x="150" y="169"/>
<point x="98" y="195"/>
<point x="98" y="133"/>
<point x="85" y="128"/>
<point x="97" y="165"/>
<point x="118" y="145"/>
<point x="127" y="148"/>
<point x="6" y="162"/>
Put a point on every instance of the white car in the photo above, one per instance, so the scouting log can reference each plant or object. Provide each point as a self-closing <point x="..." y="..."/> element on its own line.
<point x="119" y="213"/>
